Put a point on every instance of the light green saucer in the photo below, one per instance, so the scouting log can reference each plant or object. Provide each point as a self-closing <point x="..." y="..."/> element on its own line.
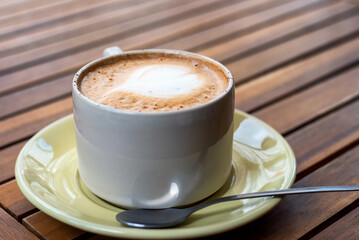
<point x="46" y="172"/>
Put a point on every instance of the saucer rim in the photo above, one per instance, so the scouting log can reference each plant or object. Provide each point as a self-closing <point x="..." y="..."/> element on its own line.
<point x="172" y="233"/>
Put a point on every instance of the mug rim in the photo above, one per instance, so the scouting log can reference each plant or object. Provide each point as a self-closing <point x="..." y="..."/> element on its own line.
<point x="76" y="91"/>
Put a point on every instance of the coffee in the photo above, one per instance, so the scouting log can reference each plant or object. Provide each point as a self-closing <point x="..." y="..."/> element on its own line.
<point x="154" y="83"/>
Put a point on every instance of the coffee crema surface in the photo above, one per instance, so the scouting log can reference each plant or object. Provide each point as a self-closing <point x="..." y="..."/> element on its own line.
<point x="154" y="84"/>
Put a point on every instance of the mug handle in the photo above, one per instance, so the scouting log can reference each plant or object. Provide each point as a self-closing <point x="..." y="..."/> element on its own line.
<point x="111" y="51"/>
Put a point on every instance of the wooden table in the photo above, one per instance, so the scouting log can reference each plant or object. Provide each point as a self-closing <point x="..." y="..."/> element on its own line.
<point x="296" y="66"/>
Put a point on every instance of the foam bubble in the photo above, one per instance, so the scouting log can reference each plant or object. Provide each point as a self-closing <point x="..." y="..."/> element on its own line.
<point x="163" y="81"/>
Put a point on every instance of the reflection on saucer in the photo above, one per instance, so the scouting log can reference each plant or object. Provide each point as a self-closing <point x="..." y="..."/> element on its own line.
<point x="250" y="132"/>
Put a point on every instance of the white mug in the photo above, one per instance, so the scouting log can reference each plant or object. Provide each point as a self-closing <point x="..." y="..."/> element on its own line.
<point x="153" y="159"/>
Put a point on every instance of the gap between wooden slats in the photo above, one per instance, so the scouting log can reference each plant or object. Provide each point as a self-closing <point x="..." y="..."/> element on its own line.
<point x="58" y="15"/>
<point x="105" y="19"/>
<point x="22" y="6"/>
<point x="11" y="229"/>
<point x="343" y="228"/>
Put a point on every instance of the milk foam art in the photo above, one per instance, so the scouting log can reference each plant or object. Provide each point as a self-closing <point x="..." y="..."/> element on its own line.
<point x="163" y="81"/>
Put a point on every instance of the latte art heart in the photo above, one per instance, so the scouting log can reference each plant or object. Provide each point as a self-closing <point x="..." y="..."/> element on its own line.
<point x="164" y="81"/>
<point x="154" y="83"/>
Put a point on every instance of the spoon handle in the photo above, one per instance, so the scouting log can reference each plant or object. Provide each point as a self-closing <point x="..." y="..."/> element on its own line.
<point x="290" y="191"/>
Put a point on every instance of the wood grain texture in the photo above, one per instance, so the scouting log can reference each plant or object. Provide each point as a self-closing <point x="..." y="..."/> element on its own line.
<point x="37" y="94"/>
<point x="12" y="199"/>
<point x="345" y="228"/>
<point x="242" y="25"/>
<point x="11" y="8"/>
<point x="287" y="79"/>
<point x="26" y="124"/>
<point x="258" y="63"/>
<point x="356" y="2"/>
<point x="10" y="229"/>
<point x="326" y="136"/>
<point x="6" y="5"/>
<point x="304" y="106"/>
<point x="49" y="228"/>
<point x="62" y="12"/>
<point x="7" y="161"/>
<point x="296" y="215"/>
<point x="278" y="32"/>
<point x="61" y="32"/>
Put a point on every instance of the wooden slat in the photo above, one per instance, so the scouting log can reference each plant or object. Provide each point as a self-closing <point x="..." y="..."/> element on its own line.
<point x="324" y="137"/>
<point x="20" y="7"/>
<point x="294" y="26"/>
<point x="5" y="4"/>
<point x="287" y="79"/>
<point x="296" y="215"/>
<point x="263" y="61"/>
<point x="103" y="20"/>
<point x="304" y="106"/>
<point x="36" y="94"/>
<point x="60" y="32"/>
<point x="13" y="25"/>
<point x="198" y="23"/>
<point x="26" y="124"/>
<point x="345" y="228"/>
<point x="350" y="1"/>
<point x="189" y="23"/>
<point x="244" y="25"/>
<point x="11" y="229"/>
<point x="12" y="199"/>
<point x="7" y="161"/>
<point x="50" y="228"/>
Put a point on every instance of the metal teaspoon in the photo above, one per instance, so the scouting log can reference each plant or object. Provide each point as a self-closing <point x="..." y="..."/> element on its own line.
<point x="168" y="217"/>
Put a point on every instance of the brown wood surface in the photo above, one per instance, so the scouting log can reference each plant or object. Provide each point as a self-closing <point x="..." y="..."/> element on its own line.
<point x="296" y="66"/>
<point x="292" y="25"/>
<point x="306" y="105"/>
<point x="65" y="31"/>
<point x="13" y="200"/>
<point x="245" y="25"/>
<point x="345" y="228"/>
<point x="11" y="229"/>
<point x="286" y="80"/>
<point x="47" y="227"/>
<point x="250" y="66"/>
<point x="8" y="159"/>
<point x="325" y="137"/>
